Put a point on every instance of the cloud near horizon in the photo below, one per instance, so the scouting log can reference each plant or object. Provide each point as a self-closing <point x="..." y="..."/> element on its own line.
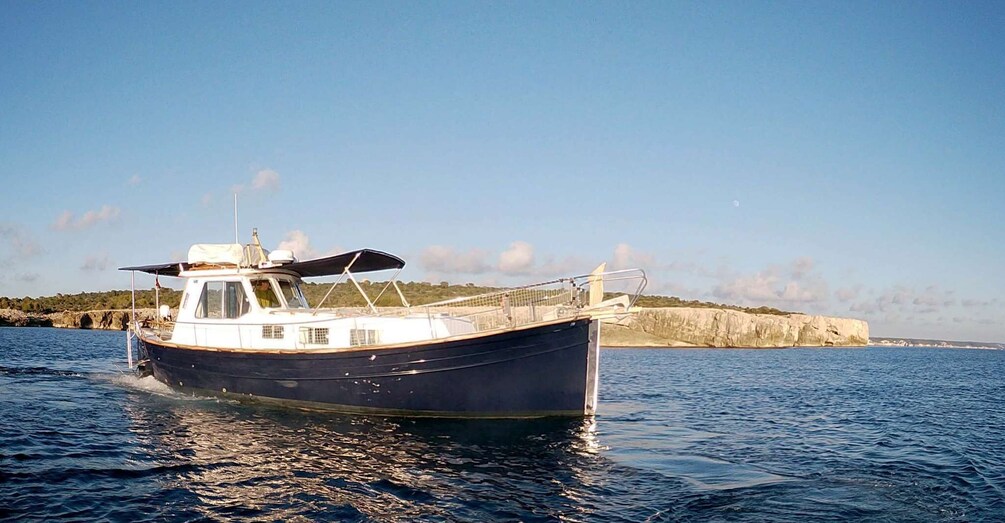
<point x="94" y="263"/>
<point x="446" y="260"/>
<point x="20" y="244"/>
<point x="900" y="299"/>
<point x="626" y="257"/>
<point x="794" y="285"/>
<point x="66" y="220"/>
<point x="518" y="259"/>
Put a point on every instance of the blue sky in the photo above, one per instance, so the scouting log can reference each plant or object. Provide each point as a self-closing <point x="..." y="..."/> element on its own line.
<point x="843" y="158"/>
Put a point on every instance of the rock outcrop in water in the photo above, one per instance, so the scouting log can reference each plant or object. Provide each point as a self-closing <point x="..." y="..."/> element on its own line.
<point x="698" y="327"/>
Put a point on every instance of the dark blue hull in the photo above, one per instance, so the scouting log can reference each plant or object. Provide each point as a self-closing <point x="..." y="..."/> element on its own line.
<point x="539" y="371"/>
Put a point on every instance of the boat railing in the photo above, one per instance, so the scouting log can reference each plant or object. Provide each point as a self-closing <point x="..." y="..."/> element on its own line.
<point x="604" y="295"/>
<point x="547" y="301"/>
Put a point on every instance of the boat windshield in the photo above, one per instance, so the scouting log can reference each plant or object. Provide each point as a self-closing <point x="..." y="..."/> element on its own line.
<point x="264" y="293"/>
<point x="294" y="297"/>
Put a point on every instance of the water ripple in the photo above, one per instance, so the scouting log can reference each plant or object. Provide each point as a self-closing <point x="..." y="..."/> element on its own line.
<point x="683" y="435"/>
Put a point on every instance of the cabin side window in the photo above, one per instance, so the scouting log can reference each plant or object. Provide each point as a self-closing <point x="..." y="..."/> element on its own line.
<point x="222" y="300"/>
<point x="294" y="298"/>
<point x="210" y="301"/>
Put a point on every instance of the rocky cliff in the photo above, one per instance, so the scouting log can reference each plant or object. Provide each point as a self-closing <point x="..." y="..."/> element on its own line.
<point x="102" y="319"/>
<point x="658" y="327"/>
<point x="695" y="327"/>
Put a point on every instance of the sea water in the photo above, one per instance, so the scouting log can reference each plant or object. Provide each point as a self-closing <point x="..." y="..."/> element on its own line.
<point x="865" y="434"/>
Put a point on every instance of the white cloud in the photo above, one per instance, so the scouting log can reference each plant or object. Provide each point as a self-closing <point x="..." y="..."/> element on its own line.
<point x="793" y="292"/>
<point x="625" y="257"/>
<point x="28" y="277"/>
<point x="971" y="303"/>
<point x="134" y="180"/>
<point x="265" y="179"/>
<point x="759" y="287"/>
<point x="518" y="259"/>
<point x="846" y="294"/>
<point x="442" y="259"/>
<point x="107" y="213"/>
<point x="66" y="221"/>
<point x="63" y="221"/>
<point x="901" y="300"/>
<point x="298" y="242"/>
<point x="96" y="263"/>
<point x="19" y="244"/>
<point x="794" y="285"/>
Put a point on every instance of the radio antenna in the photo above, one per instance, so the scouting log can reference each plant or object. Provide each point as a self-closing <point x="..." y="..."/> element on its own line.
<point x="237" y="238"/>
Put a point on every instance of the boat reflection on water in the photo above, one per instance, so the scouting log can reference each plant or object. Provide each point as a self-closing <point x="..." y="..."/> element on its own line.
<point x="219" y="460"/>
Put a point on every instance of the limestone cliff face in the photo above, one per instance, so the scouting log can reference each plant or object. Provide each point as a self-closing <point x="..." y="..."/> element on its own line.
<point x="684" y="326"/>
<point x="102" y="319"/>
<point x="658" y="327"/>
<point x="16" y="318"/>
<point x="116" y="320"/>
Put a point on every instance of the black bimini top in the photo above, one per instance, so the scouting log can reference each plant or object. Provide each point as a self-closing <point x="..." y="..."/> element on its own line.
<point x="368" y="261"/>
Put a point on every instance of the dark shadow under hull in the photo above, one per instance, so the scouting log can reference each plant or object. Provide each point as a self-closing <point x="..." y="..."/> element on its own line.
<point x="547" y="370"/>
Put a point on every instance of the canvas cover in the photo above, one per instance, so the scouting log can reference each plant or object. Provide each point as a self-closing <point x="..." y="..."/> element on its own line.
<point x="216" y="253"/>
<point x="363" y="260"/>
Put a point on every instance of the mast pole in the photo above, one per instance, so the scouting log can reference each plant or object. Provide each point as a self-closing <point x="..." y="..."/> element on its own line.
<point x="237" y="238"/>
<point x="132" y="320"/>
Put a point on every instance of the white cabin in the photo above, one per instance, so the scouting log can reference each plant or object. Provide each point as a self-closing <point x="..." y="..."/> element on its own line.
<point x="244" y="298"/>
<point x="233" y="300"/>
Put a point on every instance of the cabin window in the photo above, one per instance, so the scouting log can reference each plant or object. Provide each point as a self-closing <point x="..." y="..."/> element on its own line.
<point x="272" y="332"/>
<point x="264" y="293"/>
<point x="314" y="335"/>
<point x="222" y="300"/>
<point x="211" y="301"/>
<point x="294" y="298"/>
<point x="363" y="337"/>
<point x="237" y="302"/>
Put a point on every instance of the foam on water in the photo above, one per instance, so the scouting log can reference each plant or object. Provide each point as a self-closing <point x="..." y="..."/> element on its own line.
<point x="145" y="384"/>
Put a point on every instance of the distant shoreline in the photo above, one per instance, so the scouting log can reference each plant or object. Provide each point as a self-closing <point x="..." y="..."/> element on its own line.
<point x="878" y="341"/>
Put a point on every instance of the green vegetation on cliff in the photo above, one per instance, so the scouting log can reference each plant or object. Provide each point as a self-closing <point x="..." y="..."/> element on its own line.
<point x="344" y="295"/>
<point x="88" y="301"/>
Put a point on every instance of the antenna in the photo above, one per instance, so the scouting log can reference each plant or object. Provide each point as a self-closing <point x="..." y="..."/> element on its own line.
<point x="237" y="238"/>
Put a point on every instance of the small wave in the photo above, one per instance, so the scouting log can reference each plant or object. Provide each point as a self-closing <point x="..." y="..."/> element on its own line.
<point x="150" y="385"/>
<point x="36" y="371"/>
<point x="145" y="384"/>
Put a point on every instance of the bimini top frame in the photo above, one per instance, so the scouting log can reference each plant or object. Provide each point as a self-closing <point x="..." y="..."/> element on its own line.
<point x="363" y="260"/>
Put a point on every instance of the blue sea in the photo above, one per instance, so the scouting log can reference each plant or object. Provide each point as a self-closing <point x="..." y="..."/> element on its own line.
<point x="873" y="434"/>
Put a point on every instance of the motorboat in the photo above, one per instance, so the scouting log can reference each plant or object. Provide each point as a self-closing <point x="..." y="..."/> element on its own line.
<point x="244" y="329"/>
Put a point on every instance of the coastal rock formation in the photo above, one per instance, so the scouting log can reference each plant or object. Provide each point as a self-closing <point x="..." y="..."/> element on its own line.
<point x="117" y="319"/>
<point x="656" y="327"/>
<point x="16" y="318"/>
<point x="698" y="327"/>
